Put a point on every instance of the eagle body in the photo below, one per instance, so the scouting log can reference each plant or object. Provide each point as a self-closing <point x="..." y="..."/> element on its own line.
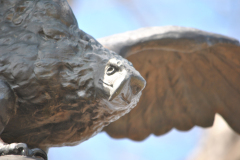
<point x="61" y="78"/>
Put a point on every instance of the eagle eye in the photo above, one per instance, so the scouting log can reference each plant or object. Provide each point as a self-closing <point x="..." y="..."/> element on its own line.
<point x="111" y="70"/>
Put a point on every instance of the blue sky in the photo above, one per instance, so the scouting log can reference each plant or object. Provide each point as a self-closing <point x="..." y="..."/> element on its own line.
<point x="107" y="17"/>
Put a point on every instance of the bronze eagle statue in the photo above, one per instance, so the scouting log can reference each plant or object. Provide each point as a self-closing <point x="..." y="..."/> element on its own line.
<point x="60" y="86"/>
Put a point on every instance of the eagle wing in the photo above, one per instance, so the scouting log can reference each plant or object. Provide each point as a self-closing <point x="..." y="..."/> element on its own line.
<point x="191" y="75"/>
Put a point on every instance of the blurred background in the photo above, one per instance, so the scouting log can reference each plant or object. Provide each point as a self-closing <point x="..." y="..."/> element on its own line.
<point x="107" y="17"/>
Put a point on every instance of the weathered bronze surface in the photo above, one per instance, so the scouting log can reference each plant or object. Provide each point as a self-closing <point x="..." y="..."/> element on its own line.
<point x="59" y="86"/>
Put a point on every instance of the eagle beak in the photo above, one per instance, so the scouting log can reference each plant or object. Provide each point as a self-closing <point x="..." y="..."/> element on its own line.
<point x="118" y="85"/>
<point x="137" y="83"/>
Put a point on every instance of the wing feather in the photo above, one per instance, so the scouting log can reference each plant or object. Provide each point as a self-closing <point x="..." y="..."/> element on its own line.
<point x="191" y="75"/>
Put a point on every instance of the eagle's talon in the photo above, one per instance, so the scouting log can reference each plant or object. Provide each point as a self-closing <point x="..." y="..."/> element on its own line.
<point x="37" y="152"/>
<point x="21" y="149"/>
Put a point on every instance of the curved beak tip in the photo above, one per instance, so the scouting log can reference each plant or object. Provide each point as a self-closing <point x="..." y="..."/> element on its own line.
<point x="137" y="84"/>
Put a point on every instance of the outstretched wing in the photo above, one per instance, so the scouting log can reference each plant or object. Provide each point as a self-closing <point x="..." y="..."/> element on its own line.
<point x="190" y="74"/>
